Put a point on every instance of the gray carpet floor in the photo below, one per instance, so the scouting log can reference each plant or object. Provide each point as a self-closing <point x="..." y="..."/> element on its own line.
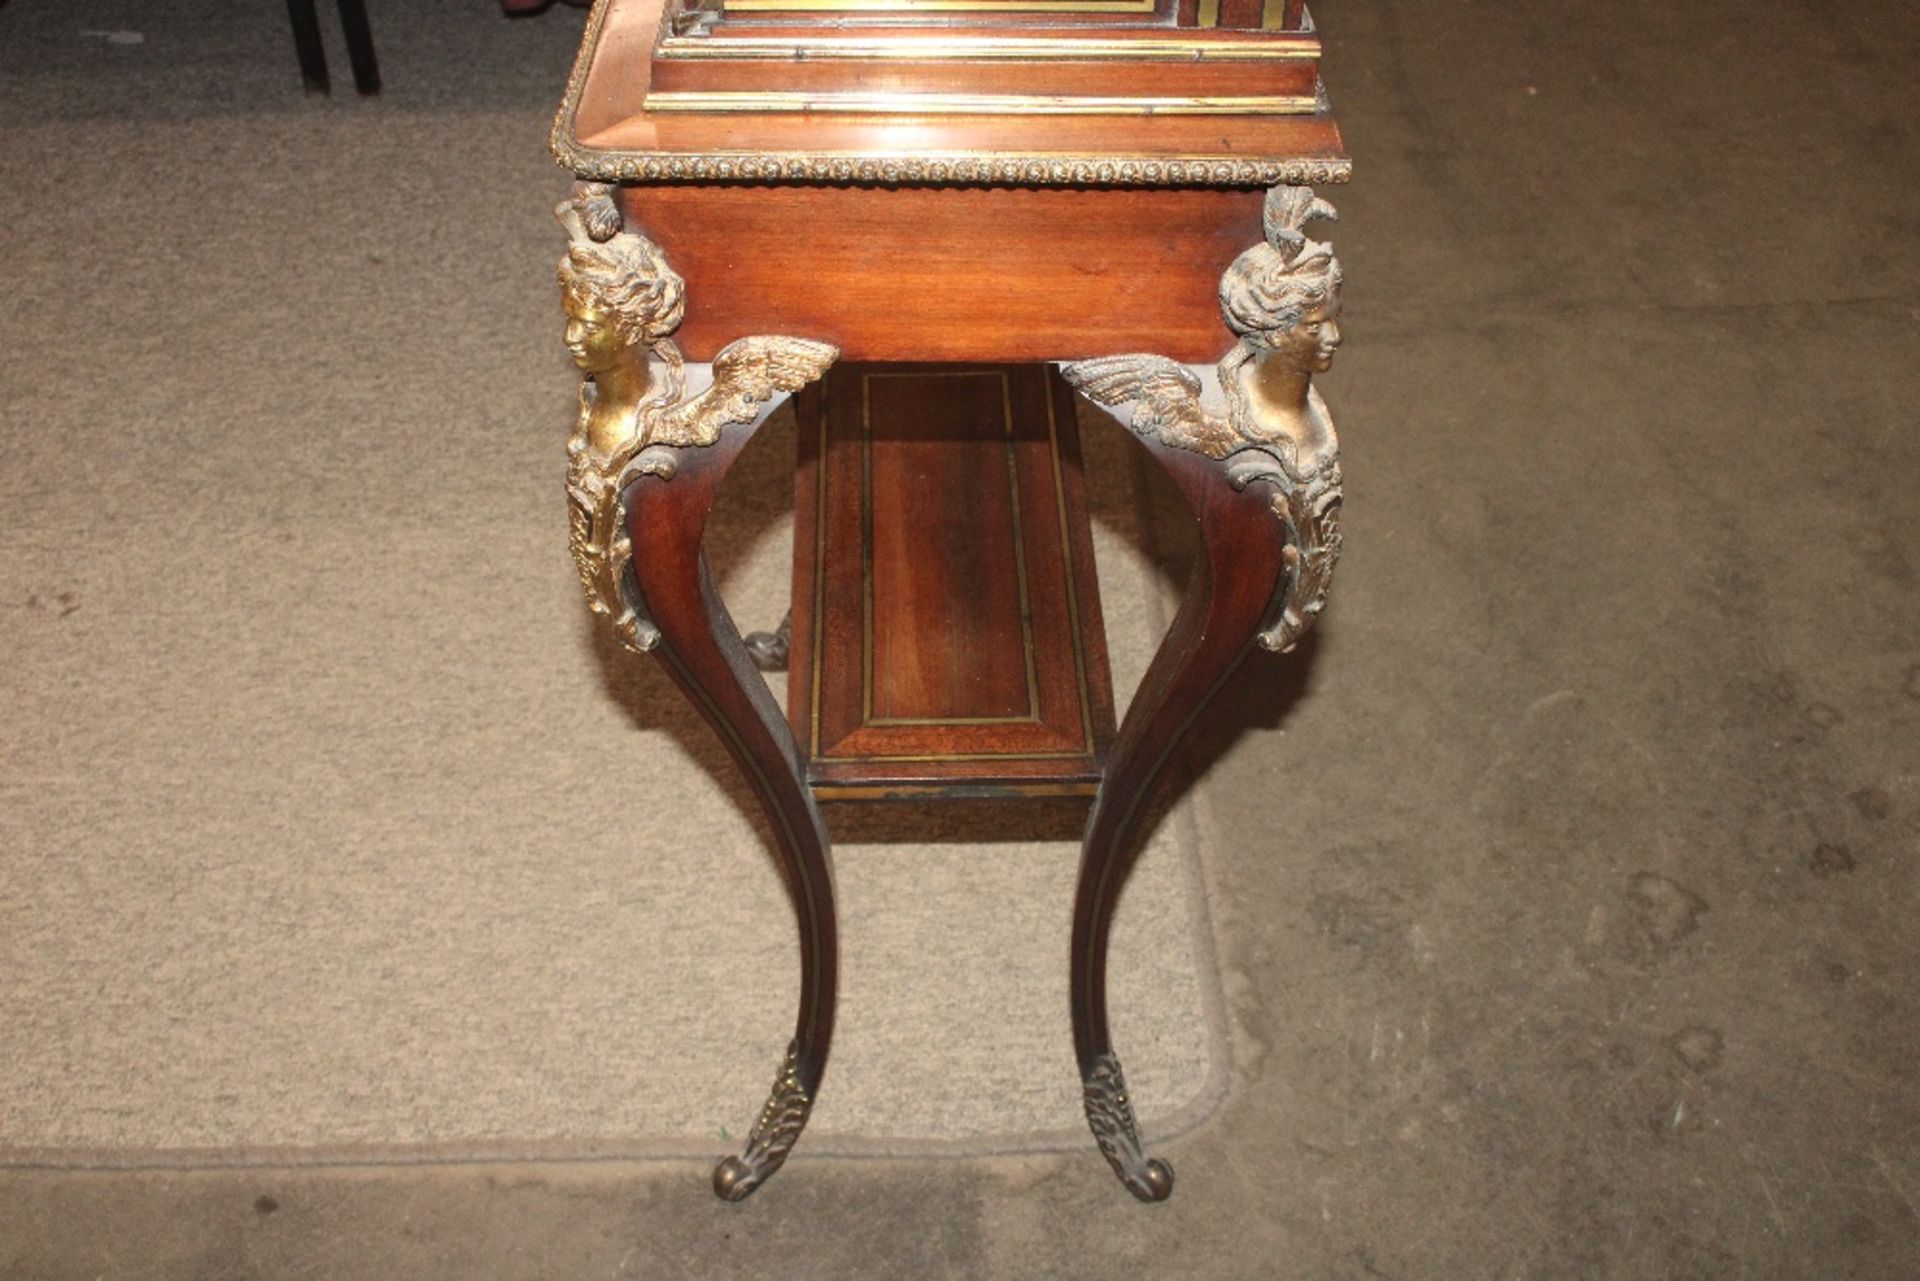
<point x="1563" y="892"/>
<point x="332" y="829"/>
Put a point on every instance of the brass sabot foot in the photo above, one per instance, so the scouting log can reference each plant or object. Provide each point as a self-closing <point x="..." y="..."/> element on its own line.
<point x="1110" y="1117"/>
<point x="1154" y="1182"/>
<point x="774" y="1135"/>
<point x="733" y="1180"/>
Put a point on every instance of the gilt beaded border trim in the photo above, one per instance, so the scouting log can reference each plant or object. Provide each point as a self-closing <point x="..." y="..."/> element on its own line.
<point x="1003" y="169"/>
<point x="607" y="166"/>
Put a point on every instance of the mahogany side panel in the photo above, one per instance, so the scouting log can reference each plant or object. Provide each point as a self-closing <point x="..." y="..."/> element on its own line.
<point x="952" y="273"/>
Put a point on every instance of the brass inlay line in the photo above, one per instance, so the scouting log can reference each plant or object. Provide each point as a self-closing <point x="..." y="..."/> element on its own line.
<point x="983" y="49"/>
<point x="886" y="722"/>
<point x="866" y="548"/>
<point x="867" y="718"/>
<point x="979" y="104"/>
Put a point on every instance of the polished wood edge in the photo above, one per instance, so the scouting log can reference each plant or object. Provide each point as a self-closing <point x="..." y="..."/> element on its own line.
<point x="934" y="167"/>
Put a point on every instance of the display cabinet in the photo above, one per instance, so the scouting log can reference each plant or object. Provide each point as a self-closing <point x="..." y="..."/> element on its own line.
<point x="936" y="222"/>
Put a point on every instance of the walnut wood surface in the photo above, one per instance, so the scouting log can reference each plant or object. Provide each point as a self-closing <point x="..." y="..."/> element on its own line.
<point x="1245" y="14"/>
<point x="947" y="630"/>
<point x="952" y="273"/>
<point x="1250" y="15"/>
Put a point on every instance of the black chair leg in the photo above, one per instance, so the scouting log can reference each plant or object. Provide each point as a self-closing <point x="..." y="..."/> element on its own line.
<point x="306" y="43"/>
<point x="366" y="69"/>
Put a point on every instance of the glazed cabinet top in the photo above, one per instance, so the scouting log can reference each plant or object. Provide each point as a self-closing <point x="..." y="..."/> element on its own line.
<point x="1016" y="92"/>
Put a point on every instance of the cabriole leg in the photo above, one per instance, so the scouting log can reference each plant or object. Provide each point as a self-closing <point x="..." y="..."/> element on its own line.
<point x="1242" y="564"/>
<point x="1252" y="448"/>
<point x="696" y="640"/>
<point x="645" y="462"/>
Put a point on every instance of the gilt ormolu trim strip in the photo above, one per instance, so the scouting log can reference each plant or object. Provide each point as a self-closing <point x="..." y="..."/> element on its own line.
<point x="918" y="168"/>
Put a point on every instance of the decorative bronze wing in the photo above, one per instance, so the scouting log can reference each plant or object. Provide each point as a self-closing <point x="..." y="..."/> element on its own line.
<point x="746" y="374"/>
<point x="1166" y="399"/>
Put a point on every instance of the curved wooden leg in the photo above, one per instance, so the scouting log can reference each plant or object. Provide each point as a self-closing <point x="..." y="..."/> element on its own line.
<point x="1252" y="447"/>
<point x="667" y="502"/>
<point x="644" y="464"/>
<point x="1243" y="569"/>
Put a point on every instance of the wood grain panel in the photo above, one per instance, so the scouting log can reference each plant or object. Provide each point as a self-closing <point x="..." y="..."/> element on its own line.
<point x="941" y="493"/>
<point x="953" y="273"/>
<point x="946" y="625"/>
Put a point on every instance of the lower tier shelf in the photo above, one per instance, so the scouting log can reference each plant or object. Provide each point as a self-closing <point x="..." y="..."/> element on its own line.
<point x="947" y="636"/>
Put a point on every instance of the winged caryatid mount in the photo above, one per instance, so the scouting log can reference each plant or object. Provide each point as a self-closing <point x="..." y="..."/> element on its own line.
<point x="1264" y="419"/>
<point x="623" y="303"/>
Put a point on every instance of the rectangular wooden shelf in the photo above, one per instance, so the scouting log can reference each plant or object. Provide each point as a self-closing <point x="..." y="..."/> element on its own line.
<point x="947" y="638"/>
